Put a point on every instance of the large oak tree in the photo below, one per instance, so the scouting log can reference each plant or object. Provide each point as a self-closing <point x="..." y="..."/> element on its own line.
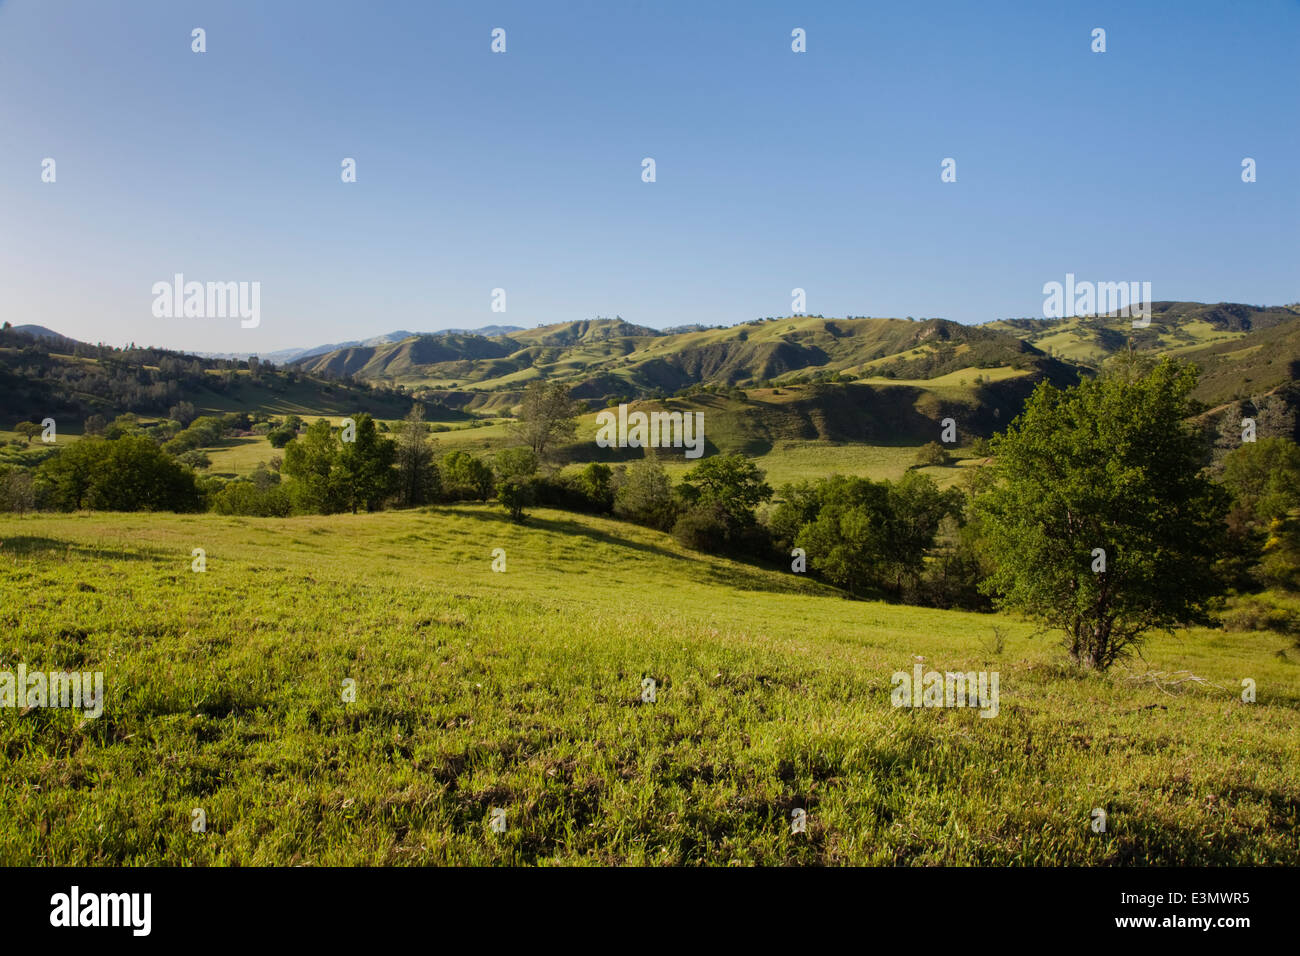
<point x="1103" y="523"/>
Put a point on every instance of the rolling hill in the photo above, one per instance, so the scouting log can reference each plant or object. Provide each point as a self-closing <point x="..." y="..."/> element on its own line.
<point x="609" y="358"/>
<point x="1176" y="327"/>
<point x="770" y="381"/>
<point x="56" y="376"/>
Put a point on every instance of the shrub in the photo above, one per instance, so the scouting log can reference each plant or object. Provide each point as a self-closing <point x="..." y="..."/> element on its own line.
<point x="933" y="453"/>
<point x="465" y="478"/>
<point x="245" y="498"/>
<point x="643" y="493"/>
<point x="17" y="493"/>
<point x="516" y="492"/>
<point x="128" y="474"/>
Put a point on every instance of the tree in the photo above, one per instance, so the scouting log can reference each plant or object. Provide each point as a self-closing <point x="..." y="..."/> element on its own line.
<point x="916" y="510"/>
<point x="309" y="460"/>
<point x="28" y="430"/>
<point x="862" y="534"/>
<point x="1264" y="477"/>
<point x="732" y="481"/>
<point x="547" y="417"/>
<point x="797" y="506"/>
<point x="516" y="462"/>
<point x="595" y="483"/>
<point x="847" y="539"/>
<point x="417" y="476"/>
<point x="363" y="471"/>
<point x="128" y="474"/>
<point x="286" y="431"/>
<point x="465" y="477"/>
<point x="516" y="492"/>
<point x="643" y="493"/>
<point x="1102" y="523"/>
<point x="721" y="494"/>
<point x="932" y="453"/>
<point x="16" y="491"/>
<point x="183" y="412"/>
<point x="246" y="498"/>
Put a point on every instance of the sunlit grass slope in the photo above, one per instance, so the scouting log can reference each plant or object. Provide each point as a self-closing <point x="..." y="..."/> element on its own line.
<point x="521" y="690"/>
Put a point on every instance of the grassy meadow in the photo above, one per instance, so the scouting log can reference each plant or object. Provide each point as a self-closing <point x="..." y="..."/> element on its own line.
<point x="521" y="690"/>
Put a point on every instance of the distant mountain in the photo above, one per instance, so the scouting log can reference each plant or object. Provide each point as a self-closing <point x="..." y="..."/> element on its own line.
<point x="286" y="356"/>
<point x="487" y="331"/>
<point x="807" y="377"/>
<point x="41" y="332"/>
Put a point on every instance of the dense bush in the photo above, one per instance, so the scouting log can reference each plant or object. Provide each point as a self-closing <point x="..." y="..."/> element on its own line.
<point x="127" y="474"/>
<point x="331" y="475"/>
<point x="643" y="493"/>
<point x="516" y="492"/>
<point x="246" y="498"/>
<point x="17" y="492"/>
<point x="861" y="534"/>
<point x="465" y="478"/>
<point x="720" y="496"/>
<point x="590" y="490"/>
<point x="202" y="432"/>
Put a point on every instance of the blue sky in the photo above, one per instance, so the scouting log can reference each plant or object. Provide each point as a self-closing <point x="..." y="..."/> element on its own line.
<point x="522" y="170"/>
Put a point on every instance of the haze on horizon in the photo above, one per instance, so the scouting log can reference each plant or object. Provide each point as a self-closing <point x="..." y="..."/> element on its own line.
<point x="522" y="170"/>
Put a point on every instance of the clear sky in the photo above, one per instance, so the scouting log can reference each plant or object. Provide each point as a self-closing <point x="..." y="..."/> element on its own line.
<point x="522" y="170"/>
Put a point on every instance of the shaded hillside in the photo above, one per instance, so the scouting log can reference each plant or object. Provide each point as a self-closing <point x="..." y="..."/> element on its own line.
<point x="395" y="360"/>
<point x="1250" y="365"/>
<point x="1249" y="356"/>
<point x="754" y="421"/>
<point x="62" y="378"/>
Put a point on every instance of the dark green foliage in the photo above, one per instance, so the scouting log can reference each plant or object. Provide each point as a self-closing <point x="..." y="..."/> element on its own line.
<point x="516" y="462"/>
<point x="933" y="453"/>
<point x="418" y="481"/>
<point x="331" y="475"/>
<point x="865" y="535"/>
<point x="246" y="498"/>
<point x="17" y="491"/>
<point x="596" y="483"/>
<point x="721" y="494"/>
<point x="202" y="432"/>
<point x="643" y="493"/>
<point x="128" y="474"/>
<point x="465" y="477"/>
<point x="363" y="470"/>
<point x="309" y="460"/>
<point x="516" y="492"/>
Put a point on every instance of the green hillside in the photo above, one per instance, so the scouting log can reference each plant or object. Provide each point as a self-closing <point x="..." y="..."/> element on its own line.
<point x="1248" y="365"/>
<point x="608" y="358"/>
<point x="70" y="380"/>
<point x="1176" y="327"/>
<point x="522" y="691"/>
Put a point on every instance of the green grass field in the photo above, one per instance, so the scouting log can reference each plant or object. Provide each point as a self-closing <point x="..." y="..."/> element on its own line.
<point x="522" y="691"/>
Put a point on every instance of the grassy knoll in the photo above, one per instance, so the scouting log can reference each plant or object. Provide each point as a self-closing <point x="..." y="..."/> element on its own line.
<point x="521" y="690"/>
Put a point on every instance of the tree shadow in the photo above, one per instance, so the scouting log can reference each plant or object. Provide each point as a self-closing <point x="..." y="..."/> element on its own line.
<point x="33" y="545"/>
<point x="571" y="527"/>
<point x="745" y="574"/>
